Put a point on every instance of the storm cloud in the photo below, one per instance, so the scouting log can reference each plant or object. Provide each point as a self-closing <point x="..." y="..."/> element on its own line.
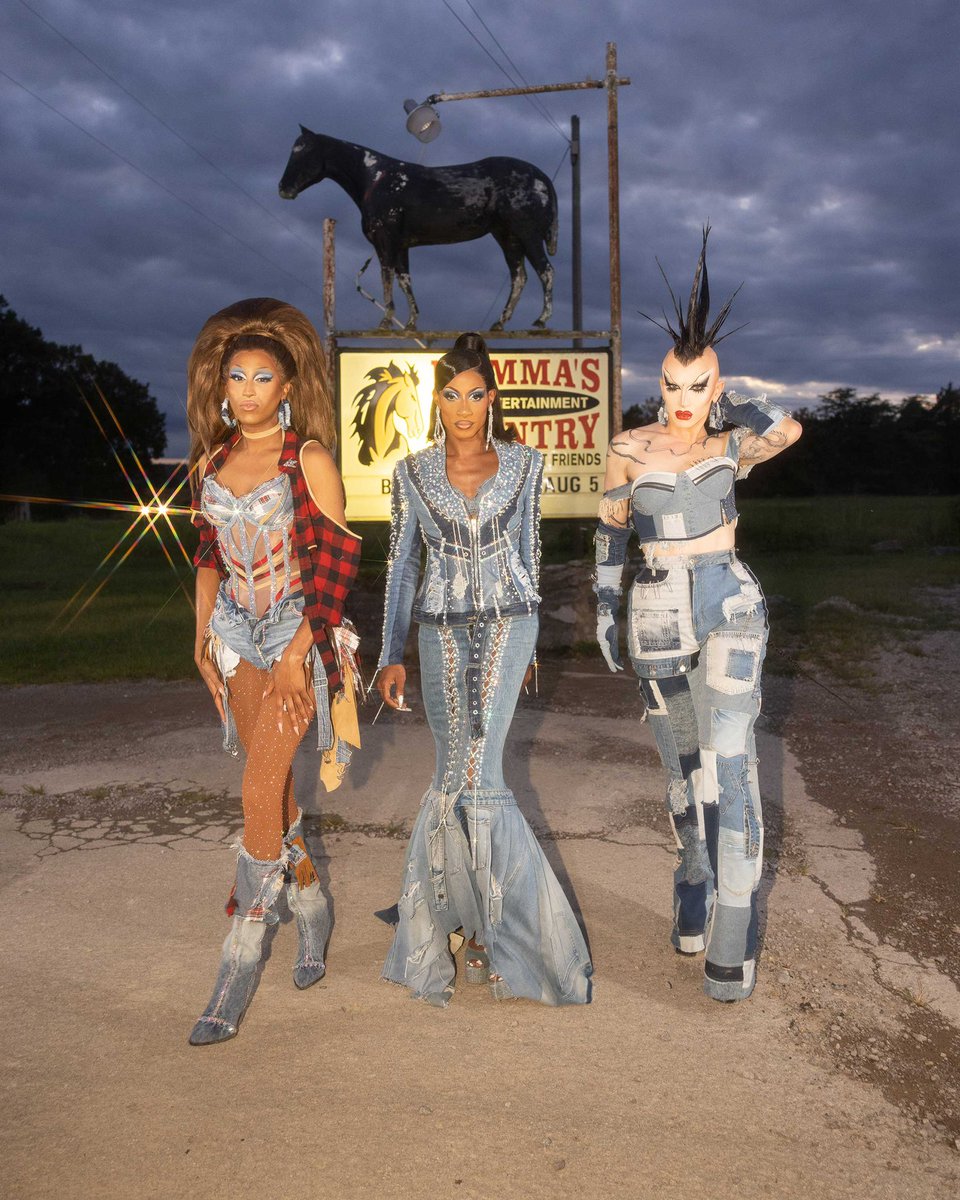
<point x="818" y="139"/>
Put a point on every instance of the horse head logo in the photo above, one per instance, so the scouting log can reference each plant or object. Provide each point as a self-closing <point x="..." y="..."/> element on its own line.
<point x="390" y="395"/>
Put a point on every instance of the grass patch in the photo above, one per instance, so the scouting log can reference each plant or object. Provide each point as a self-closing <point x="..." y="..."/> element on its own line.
<point x="139" y="626"/>
<point x="847" y="524"/>
<point x="805" y="551"/>
<point x="836" y="609"/>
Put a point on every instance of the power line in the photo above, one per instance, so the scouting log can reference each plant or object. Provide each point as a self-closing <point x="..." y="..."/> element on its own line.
<point x="515" y="82"/>
<point x="538" y="104"/>
<point x="163" y="187"/>
<point x="179" y="136"/>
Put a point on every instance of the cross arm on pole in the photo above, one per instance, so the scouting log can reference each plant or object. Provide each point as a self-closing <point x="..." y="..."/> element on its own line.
<point x="525" y="91"/>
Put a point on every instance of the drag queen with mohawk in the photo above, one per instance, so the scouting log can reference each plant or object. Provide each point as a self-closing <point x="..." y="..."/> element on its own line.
<point x="696" y="628"/>
<point x="274" y="567"/>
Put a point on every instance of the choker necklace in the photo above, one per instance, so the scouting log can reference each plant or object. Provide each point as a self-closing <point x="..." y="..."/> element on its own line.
<point x="252" y="437"/>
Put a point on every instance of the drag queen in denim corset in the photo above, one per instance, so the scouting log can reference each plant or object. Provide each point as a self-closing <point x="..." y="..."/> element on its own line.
<point x="274" y="566"/>
<point x="696" y="629"/>
<point x="472" y="502"/>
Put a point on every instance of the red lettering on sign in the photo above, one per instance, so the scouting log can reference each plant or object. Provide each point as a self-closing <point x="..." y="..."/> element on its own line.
<point x="504" y="371"/>
<point x="566" y="439"/>
<point x="590" y="370"/>
<point x="534" y="372"/>
<point x="564" y="376"/>
<point x="589" y="423"/>
<point x="539" y="430"/>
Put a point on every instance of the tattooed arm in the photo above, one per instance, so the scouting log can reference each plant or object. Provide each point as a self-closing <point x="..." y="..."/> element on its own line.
<point x="762" y="430"/>
<point x="626" y="448"/>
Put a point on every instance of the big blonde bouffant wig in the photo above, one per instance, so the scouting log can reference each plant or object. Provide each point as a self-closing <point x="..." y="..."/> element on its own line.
<point x="262" y="324"/>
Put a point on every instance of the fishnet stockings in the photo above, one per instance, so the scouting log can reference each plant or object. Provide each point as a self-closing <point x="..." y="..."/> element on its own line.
<point x="268" y="804"/>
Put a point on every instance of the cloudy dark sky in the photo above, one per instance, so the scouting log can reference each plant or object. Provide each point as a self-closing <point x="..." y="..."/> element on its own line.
<point x="820" y="139"/>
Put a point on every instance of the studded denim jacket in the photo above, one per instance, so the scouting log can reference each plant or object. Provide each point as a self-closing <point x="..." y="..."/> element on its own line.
<point x="482" y="559"/>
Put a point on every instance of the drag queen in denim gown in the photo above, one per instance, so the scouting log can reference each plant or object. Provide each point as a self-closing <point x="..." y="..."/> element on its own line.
<point x="696" y="630"/>
<point x="274" y="567"/>
<point x="472" y="501"/>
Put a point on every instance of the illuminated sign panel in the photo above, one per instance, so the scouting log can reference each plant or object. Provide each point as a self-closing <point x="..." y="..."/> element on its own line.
<point x="558" y="400"/>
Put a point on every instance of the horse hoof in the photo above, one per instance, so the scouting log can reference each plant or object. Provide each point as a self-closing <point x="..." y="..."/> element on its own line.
<point x="411" y="324"/>
<point x="496" y="326"/>
<point x="539" y="324"/>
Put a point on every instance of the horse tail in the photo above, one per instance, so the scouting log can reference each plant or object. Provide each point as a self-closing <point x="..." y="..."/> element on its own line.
<point x="552" y="234"/>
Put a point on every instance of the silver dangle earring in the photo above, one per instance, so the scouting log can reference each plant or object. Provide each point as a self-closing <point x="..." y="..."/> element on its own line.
<point x="439" y="433"/>
<point x="662" y="415"/>
<point x="489" y="424"/>
<point x="284" y="415"/>
<point x="715" y="420"/>
<point x="225" y="414"/>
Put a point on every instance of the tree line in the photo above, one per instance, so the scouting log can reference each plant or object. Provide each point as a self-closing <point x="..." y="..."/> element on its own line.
<point x="52" y="445"/>
<point x="860" y="444"/>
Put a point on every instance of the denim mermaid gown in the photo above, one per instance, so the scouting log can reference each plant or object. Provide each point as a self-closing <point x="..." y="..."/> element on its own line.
<point x="473" y="863"/>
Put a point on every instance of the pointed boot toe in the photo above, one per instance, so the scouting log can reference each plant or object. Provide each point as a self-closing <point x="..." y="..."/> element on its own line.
<point x="307" y="974"/>
<point x="210" y="1030"/>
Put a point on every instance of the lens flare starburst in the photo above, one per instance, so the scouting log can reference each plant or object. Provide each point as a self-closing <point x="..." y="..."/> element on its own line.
<point x="152" y="508"/>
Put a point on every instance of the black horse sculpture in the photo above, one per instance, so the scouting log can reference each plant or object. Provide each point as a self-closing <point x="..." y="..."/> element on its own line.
<point x="403" y="205"/>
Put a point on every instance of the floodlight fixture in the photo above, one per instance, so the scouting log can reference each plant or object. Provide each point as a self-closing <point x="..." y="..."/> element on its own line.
<point x="422" y="120"/>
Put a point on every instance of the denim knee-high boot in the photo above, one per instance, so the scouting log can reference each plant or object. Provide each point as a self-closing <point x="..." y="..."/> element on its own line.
<point x="253" y="907"/>
<point x="308" y="906"/>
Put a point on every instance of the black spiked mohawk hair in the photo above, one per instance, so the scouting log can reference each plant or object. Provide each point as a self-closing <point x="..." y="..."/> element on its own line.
<point x="692" y="336"/>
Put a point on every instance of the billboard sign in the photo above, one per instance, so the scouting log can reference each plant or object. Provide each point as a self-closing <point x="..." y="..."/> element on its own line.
<point x="558" y="401"/>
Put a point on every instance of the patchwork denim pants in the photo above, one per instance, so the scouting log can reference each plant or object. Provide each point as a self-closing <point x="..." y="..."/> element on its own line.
<point x="473" y="862"/>
<point x="697" y="635"/>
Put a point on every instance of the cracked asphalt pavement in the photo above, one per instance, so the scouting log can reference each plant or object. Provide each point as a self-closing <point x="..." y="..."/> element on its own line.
<point x="117" y="814"/>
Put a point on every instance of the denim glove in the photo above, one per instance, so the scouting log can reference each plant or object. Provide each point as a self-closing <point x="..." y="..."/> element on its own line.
<point x="755" y="413"/>
<point x="608" y="637"/>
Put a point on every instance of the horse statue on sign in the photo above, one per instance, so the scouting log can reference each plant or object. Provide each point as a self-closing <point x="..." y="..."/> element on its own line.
<point x="402" y="205"/>
<point x="390" y="394"/>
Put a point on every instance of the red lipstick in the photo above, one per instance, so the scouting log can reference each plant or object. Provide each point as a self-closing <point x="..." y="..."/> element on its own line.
<point x="683" y="414"/>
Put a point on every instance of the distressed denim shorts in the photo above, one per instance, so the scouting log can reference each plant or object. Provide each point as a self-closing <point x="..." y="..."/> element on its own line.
<point x="237" y="633"/>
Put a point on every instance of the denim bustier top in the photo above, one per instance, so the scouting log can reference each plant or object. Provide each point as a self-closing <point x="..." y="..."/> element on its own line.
<point x="254" y="535"/>
<point x="666" y="507"/>
<point x="482" y="557"/>
<point x="680" y="507"/>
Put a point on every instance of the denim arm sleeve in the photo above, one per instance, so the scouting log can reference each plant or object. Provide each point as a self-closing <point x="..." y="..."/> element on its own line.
<point x="754" y="413"/>
<point x="530" y="526"/>
<point x="749" y="415"/>
<point x="610" y="542"/>
<point x="403" y="569"/>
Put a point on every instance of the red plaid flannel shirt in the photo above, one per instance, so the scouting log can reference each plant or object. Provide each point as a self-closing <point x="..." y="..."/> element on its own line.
<point x="329" y="555"/>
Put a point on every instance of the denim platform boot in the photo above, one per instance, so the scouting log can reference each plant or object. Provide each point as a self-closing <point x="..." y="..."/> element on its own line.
<point x="308" y="906"/>
<point x="252" y="905"/>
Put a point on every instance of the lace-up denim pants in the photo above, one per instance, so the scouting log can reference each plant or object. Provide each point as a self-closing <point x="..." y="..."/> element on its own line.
<point x="473" y="862"/>
<point x="697" y="635"/>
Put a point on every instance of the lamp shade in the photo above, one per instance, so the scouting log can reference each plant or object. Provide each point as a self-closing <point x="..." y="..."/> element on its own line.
<point x="422" y="120"/>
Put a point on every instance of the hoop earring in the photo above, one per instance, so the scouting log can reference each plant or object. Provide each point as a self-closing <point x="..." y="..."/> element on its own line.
<point x="662" y="415"/>
<point x="715" y="420"/>
<point x="490" y="425"/>
<point x="229" y="421"/>
<point x="284" y="415"/>
<point x="439" y="433"/>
